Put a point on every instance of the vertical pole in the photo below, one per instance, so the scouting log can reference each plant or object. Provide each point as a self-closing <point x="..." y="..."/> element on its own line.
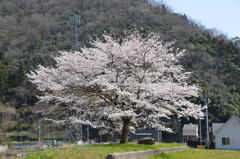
<point x="27" y="145"/>
<point x="66" y="131"/>
<point x="75" y="33"/>
<point x="48" y="132"/>
<point x="75" y="22"/>
<point x="87" y="133"/>
<point x="159" y="136"/>
<point x="207" y="126"/>
<point x="21" y="131"/>
<point x="39" y="130"/>
<point x="200" y="131"/>
<point x="74" y="30"/>
<point x="81" y="133"/>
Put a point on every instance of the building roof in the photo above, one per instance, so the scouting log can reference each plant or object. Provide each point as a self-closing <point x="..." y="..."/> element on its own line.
<point x="234" y="117"/>
<point x="216" y="126"/>
<point x="190" y="127"/>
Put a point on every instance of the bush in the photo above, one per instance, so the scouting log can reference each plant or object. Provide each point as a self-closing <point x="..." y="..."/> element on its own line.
<point x="146" y="141"/>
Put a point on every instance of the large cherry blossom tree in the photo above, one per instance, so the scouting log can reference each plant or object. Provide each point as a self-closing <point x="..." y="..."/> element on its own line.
<point x="121" y="84"/>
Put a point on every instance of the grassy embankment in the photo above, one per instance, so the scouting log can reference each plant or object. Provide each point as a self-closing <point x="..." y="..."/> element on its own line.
<point x="93" y="151"/>
<point x="199" y="154"/>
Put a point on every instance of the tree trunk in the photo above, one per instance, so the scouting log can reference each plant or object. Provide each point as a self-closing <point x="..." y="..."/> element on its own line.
<point x="125" y="129"/>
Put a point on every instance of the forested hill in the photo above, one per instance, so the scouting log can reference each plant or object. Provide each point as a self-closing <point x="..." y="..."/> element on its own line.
<point x="33" y="30"/>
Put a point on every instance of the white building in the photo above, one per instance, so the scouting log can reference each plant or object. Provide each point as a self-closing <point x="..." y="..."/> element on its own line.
<point x="190" y="132"/>
<point x="227" y="135"/>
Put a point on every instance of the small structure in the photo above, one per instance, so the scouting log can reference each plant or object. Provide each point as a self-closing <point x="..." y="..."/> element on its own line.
<point x="3" y="148"/>
<point x="227" y="135"/>
<point x="190" y="132"/>
<point x="143" y="133"/>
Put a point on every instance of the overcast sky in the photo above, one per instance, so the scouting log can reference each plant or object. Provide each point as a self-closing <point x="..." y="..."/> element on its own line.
<point x="224" y="15"/>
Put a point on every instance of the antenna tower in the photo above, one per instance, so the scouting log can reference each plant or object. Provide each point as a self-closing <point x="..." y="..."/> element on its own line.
<point x="74" y="26"/>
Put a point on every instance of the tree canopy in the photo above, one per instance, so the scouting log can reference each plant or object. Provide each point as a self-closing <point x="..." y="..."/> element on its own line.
<point x="137" y="82"/>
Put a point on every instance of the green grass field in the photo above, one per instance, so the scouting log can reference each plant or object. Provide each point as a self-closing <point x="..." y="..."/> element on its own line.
<point x="93" y="151"/>
<point x="200" y="154"/>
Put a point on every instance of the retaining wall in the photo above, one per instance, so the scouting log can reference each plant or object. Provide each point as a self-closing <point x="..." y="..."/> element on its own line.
<point x="143" y="154"/>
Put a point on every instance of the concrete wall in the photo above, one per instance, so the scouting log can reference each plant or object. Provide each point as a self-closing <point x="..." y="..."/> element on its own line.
<point x="143" y="154"/>
<point x="232" y="130"/>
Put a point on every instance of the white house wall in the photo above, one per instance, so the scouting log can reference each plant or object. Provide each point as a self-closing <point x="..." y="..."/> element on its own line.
<point x="190" y="133"/>
<point x="232" y="130"/>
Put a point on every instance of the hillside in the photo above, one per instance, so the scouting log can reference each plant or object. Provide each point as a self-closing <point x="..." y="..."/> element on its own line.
<point x="31" y="31"/>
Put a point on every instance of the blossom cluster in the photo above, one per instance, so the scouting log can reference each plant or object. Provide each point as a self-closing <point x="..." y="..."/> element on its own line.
<point x="140" y="78"/>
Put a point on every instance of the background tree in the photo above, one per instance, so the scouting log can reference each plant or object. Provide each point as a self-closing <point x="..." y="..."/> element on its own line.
<point x="136" y="82"/>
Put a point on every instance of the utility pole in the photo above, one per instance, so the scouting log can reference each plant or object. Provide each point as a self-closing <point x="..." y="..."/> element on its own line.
<point x="100" y="138"/>
<point x="39" y="130"/>
<point x="200" y="131"/>
<point x="159" y="135"/>
<point x="207" y="126"/>
<point x="74" y="23"/>
<point x="88" y="133"/>
<point x="21" y="132"/>
<point x="81" y="132"/>
<point x="48" y="132"/>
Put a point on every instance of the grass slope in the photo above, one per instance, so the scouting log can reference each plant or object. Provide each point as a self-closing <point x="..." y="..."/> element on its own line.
<point x="93" y="151"/>
<point x="200" y="154"/>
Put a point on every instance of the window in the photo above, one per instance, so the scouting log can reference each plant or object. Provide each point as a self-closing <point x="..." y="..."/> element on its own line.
<point x="225" y="141"/>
